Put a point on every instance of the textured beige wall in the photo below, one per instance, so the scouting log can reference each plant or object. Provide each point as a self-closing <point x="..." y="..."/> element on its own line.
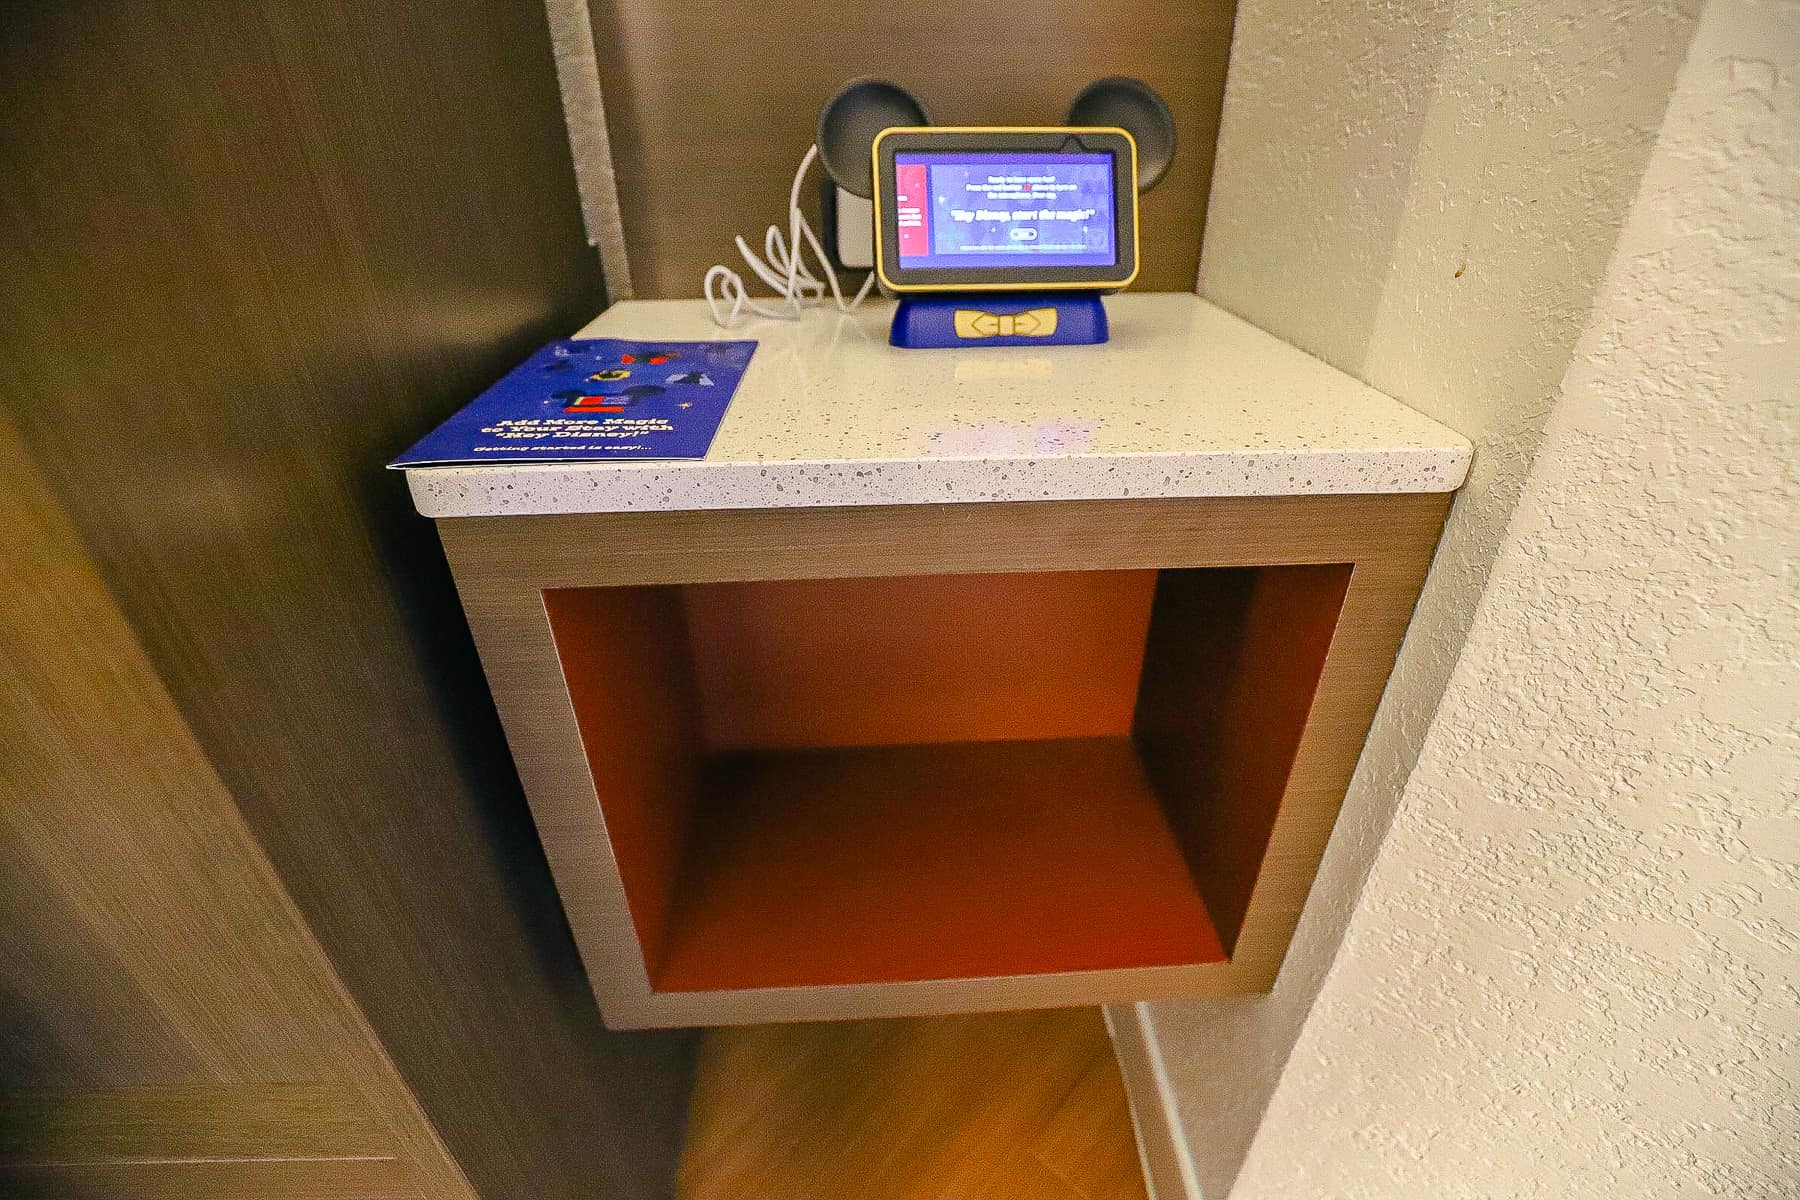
<point x="1573" y="969"/>
<point x="1425" y="194"/>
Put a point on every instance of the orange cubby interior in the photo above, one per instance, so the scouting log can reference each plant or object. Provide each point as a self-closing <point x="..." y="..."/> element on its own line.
<point x="818" y="782"/>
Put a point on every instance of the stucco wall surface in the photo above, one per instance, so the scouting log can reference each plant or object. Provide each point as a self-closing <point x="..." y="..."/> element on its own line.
<point x="1426" y="194"/>
<point x="1575" y="967"/>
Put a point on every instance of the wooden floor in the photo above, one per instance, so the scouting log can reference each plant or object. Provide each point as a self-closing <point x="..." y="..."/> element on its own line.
<point x="1010" y="1106"/>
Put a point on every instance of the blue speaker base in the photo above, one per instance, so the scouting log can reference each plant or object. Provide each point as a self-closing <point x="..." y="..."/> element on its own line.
<point x="994" y="319"/>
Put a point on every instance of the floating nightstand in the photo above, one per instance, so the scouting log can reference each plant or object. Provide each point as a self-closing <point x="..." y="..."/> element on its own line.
<point x="985" y="679"/>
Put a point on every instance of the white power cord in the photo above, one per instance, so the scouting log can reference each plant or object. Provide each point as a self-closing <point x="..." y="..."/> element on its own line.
<point x="796" y="287"/>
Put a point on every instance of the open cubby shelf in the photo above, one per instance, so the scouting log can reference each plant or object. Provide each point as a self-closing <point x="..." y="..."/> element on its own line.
<point x="828" y="782"/>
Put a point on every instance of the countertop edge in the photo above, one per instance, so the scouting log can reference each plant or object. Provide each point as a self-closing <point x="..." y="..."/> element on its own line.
<point x="697" y="486"/>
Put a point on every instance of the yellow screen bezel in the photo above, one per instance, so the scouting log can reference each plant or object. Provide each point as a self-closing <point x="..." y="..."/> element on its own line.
<point x="973" y="131"/>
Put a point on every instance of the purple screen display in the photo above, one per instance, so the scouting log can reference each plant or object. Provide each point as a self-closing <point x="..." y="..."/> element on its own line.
<point x="985" y="210"/>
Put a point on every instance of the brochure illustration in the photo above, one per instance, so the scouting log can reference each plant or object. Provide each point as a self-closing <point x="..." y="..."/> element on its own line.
<point x="592" y="399"/>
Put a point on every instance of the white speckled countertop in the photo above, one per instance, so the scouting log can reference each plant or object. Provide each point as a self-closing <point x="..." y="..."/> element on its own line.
<point x="1185" y="400"/>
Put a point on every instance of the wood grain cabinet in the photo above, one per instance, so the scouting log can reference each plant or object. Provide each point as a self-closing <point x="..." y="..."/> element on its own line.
<point x="943" y="733"/>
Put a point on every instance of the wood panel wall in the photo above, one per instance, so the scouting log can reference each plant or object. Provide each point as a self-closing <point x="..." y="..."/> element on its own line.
<point x="249" y="252"/>
<point x="168" y="1026"/>
<point x="711" y="103"/>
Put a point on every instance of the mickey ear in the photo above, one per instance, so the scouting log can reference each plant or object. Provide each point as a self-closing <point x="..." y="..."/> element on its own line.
<point x="1131" y="105"/>
<point x="850" y="122"/>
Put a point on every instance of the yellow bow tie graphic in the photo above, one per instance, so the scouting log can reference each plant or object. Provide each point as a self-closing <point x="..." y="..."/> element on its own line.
<point x="1033" y="322"/>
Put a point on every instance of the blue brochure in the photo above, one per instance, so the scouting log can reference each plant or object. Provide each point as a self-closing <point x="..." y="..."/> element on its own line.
<point x="594" y="399"/>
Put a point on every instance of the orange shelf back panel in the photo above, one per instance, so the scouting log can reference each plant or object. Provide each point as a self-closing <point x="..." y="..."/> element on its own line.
<point x="921" y="659"/>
